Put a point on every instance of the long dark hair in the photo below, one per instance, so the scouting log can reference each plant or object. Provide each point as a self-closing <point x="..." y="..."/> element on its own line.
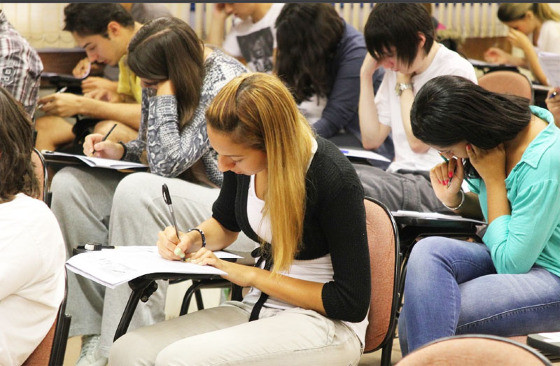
<point x="16" y="143"/>
<point x="168" y="48"/>
<point x="397" y="25"/>
<point x="451" y="109"/>
<point x="307" y="37"/>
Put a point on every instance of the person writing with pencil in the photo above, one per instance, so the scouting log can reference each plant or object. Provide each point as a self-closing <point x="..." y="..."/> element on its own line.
<point x="301" y="202"/>
<point x="104" y="31"/>
<point x="180" y="77"/>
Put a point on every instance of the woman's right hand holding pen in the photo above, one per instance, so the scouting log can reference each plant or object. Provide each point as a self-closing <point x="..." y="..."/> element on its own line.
<point x="96" y="147"/>
<point x="168" y="242"/>
<point x="447" y="179"/>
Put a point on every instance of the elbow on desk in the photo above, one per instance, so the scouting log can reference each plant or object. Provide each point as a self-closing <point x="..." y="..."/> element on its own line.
<point x="371" y="144"/>
<point x="419" y="147"/>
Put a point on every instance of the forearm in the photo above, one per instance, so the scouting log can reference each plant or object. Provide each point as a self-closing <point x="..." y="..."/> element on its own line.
<point x="498" y="204"/>
<point x="518" y="61"/>
<point x="217" y="236"/>
<point x="127" y="113"/>
<point x="535" y="66"/>
<point x="470" y="208"/>
<point x="406" y="99"/>
<point x="370" y="126"/>
<point x="304" y="294"/>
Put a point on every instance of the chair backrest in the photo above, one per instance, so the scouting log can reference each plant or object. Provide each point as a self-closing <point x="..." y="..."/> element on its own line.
<point x="384" y="252"/>
<point x="50" y="352"/>
<point x="474" y="350"/>
<point x="41" y="174"/>
<point x="507" y="82"/>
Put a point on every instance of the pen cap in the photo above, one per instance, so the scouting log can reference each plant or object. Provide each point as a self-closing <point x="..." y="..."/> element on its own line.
<point x="166" y="195"/>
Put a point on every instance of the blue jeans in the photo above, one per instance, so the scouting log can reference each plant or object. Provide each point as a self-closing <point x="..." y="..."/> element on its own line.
<point x="452" y="288"/>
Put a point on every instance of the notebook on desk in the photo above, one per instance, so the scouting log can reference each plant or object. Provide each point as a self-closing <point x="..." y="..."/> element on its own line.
<point x="112" y="267"/>
<point x="487" y="66"/>
<point x="73" y="84"/>
<point x="363" y="154"/>
<point x="73" y="159"/>
<point x="546" y="342"/>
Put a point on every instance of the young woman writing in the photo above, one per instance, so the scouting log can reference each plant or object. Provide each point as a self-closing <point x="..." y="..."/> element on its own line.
<point x="301" y="199"/>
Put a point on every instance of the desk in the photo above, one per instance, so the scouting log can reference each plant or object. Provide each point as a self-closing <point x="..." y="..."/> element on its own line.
<point x="548" y="343"/>
<point x="412" y="229"/>
<point x="540" y="92"/>
<point x="144" y="286"/>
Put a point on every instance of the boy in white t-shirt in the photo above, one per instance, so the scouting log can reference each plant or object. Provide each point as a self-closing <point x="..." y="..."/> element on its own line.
<point x="252" y="38"/>
<point x="400" y="38"/>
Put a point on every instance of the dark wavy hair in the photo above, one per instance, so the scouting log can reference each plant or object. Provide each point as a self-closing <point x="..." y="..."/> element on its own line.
<point x="307" y="37"/>
<point x="451" y="109"/>
<point x="16" y="144"/>
<point x="397" y="25"/>
<point x="88" y="19"/>
<point x="169" y="49"/>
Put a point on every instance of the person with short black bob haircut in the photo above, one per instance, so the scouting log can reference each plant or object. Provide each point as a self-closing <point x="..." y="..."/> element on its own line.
<point x="400" y="38"/>
<point x="397" y="26"/>
<point x="509" y="284"/>
<point x="319" y="57"/>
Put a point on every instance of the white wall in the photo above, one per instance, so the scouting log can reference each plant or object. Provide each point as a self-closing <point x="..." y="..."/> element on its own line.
<point x="41" y="23"/>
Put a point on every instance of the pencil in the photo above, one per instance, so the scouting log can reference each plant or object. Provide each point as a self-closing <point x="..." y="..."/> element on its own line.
<point x="107" y="134"/>
<point x="105" y="137"/>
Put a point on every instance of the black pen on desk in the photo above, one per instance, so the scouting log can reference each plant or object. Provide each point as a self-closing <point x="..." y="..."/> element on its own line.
<point x="106" y="135"/>
<point x="167" y="199"/>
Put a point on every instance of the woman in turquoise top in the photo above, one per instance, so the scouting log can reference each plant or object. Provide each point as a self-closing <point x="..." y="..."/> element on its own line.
<point x="509" y="152"/>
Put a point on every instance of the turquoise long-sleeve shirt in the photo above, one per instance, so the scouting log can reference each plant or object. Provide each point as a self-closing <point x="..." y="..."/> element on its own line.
<point x="531" y="233"/>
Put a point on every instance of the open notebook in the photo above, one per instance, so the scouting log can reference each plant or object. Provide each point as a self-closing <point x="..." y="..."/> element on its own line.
<point x="363" y="154"/>
<point x="112" y="267"/>
<point x="64" y="158"/>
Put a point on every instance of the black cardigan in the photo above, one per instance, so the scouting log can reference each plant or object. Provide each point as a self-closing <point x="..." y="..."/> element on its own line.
<point x="334" y="223"/>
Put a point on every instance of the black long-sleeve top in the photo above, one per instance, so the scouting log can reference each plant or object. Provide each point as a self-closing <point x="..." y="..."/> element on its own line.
<point x="334" y="223"/>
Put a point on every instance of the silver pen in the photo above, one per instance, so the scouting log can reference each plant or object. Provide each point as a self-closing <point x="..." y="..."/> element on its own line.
<point x="39" y="106"/>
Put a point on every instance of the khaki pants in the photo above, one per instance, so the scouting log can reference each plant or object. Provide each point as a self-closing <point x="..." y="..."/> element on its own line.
<point x="224" y="336"/>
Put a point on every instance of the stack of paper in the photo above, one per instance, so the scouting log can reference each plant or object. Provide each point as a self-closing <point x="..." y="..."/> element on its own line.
<point x="550" y="63"/>
<point x="112" y="267"/>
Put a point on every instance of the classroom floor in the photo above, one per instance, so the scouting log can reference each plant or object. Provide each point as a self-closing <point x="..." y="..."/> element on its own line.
<point x="211" y="297"/>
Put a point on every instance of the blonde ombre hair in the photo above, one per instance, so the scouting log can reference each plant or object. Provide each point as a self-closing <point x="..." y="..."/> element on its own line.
<point x="258" y="111"/>
<point x="509" y="12"/>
